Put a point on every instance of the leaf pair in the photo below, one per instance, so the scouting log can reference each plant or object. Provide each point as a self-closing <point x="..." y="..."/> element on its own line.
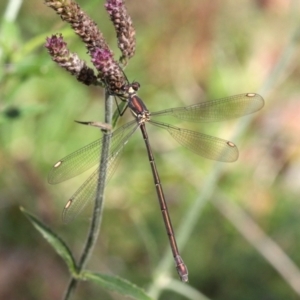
<point x="112" y="283"/>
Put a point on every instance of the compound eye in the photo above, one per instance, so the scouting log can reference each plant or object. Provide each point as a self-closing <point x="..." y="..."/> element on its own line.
<point x="135" y="86"/>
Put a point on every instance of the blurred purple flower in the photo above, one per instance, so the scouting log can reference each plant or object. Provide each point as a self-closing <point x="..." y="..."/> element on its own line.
<point x="124" y="28"/>
<point x="60" y="53"/>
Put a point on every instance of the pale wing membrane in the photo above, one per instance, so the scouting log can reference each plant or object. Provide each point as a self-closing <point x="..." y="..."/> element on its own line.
<point x="216" y="110"/>
<point x="87" y="191"/>
<point x="202" y="144"/>
<point x="84" y="158"/>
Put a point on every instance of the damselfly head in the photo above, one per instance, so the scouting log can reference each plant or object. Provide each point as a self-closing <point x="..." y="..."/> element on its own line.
<point x="131" y="88"/>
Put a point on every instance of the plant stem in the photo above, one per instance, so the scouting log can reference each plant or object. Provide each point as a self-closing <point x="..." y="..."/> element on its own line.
<point x="12" y="10"/>
<point x="97" y="212"/>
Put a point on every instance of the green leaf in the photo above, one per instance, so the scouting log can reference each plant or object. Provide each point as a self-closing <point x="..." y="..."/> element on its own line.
<point x="117" y="284"/>
<point x="55" y="241"/>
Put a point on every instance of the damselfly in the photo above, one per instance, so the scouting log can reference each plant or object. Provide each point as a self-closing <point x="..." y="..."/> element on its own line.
<point x="202" y="144"/>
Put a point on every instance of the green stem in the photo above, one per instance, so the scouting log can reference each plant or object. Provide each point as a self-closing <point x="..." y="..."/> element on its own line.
<point x="97" y="213"/>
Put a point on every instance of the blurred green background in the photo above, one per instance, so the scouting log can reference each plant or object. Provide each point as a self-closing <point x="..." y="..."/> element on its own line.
<point x="245" y="244"/>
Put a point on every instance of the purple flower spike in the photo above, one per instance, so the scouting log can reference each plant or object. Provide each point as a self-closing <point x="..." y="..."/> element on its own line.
<point x="102" y="59"/>
<point x="60" y="53"/>
<point x="82" y="24"/>
<point x="124" y="28"/>
<point x="110" y="73"/>
<point x="56" y="45"/>
<point x="109" y="70"/>
<point x="113" y="6"/>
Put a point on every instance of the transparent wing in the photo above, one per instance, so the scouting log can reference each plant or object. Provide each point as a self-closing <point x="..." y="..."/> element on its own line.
<point x="87" y="191"/>
<point x="86" y="157"/>
<point x="205" y="145"/>
<point x="216" y="110"/>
